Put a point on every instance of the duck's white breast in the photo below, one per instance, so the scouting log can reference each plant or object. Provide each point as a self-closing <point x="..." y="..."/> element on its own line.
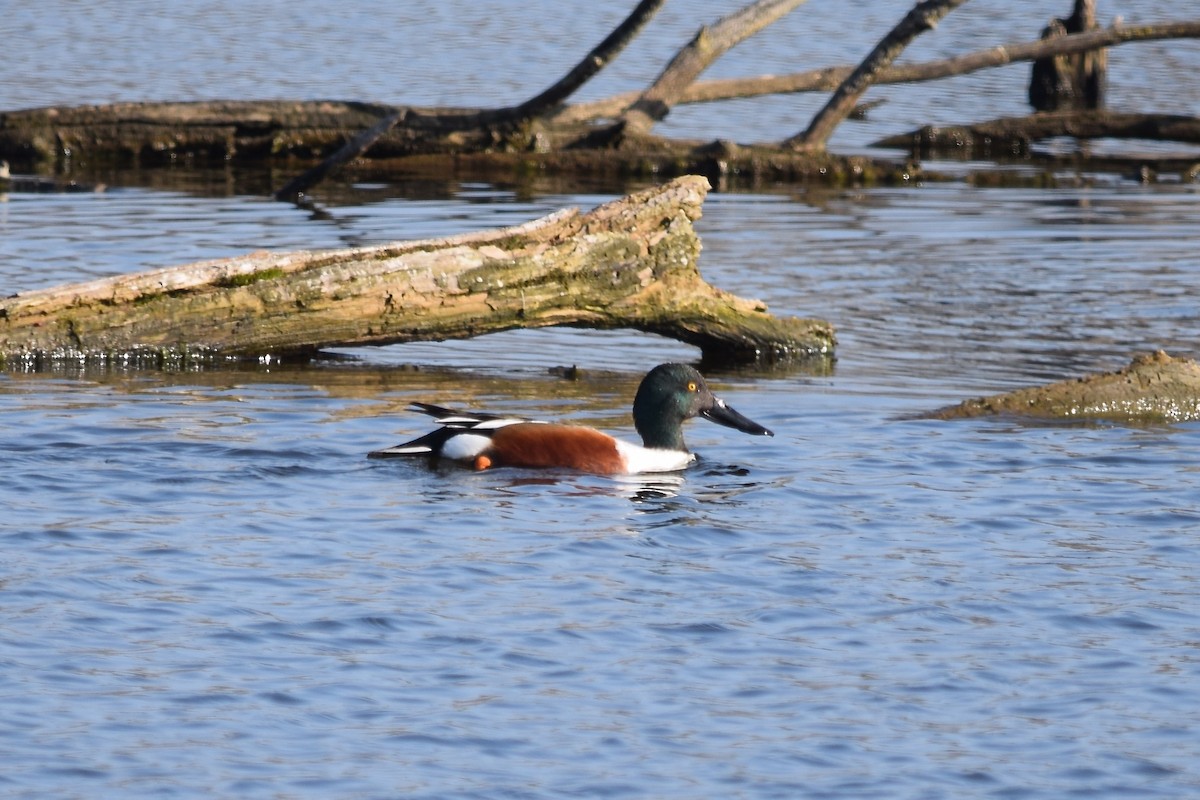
<point x="652" y="459"/>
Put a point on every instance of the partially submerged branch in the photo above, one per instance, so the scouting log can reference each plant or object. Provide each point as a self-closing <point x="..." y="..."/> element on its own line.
<point x="629" y="264"/>
<point x="539" y="135"/>
<point x="708" y="45"/>
<point x="923" y="17"/>
<point x="829" y="78"/>
<point x="513" y="117"/>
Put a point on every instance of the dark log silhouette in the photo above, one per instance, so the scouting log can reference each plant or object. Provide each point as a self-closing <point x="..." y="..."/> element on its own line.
<point x="1015" y="135"/>
<point x="1070" y="81"/>
<point x="629" y="264"/>
<point x="538" y="135"/>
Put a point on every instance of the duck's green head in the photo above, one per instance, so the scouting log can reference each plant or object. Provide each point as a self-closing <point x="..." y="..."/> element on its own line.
<point x="672" y="393"/>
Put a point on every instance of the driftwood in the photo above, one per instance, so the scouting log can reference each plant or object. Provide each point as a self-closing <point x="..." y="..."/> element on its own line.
<point x="538" y="128"/>
<point x="540" y="134"/>
<point x="1154" y="388"/>
<point x="629" y="264"/>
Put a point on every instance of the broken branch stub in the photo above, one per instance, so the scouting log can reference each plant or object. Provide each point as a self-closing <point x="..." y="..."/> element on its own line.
<point x="631" y="263"/>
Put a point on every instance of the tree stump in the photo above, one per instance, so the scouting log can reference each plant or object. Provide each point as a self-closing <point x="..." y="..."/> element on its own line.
<point x="1075" y="81"/>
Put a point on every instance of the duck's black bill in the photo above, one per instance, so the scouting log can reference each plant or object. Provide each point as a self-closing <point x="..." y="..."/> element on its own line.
<point x="723" y="414"/>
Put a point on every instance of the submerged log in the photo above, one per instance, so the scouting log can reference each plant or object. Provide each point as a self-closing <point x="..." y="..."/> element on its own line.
<point x="1014" y="135"/>
<point x="1154" y="388"/>
<point x="629" y="264"/>
<point x="248" y="132"/>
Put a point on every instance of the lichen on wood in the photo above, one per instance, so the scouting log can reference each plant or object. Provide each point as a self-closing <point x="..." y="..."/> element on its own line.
<point x="631" y="263"/>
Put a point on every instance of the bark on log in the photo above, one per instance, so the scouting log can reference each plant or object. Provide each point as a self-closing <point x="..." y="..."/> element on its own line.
<point x="1014" y="135"/>
<point x="629" y="264"/>
<point x="1154" y="388"/>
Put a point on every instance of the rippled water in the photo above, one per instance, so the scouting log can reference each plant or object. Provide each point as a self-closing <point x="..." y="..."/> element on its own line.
<point x="207" y="590"/>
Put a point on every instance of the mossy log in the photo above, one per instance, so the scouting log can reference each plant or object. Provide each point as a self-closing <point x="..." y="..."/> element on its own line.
<point x="1154" y="388"/>
<point x="631" y="263"/>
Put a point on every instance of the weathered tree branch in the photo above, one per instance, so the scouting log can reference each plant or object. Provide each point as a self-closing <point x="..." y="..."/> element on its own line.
<point x="537" y="106"/>
<point x="923" y="17"/>
<point x="629" y="264"/>
<point x="708" y="45"/>
<point x="829" y="78"/>
<point x="591" y="64"/>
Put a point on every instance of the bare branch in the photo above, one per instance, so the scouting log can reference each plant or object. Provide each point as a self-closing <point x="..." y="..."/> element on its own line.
<point x="708" y="45"/>
<point x="354" y="148"/>
<point x="513" y="116"/>
<point x="829" y="78"/>
<point x="923" y="17"/>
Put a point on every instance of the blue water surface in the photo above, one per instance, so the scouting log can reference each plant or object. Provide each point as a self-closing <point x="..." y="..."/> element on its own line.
<point x="207" y="590"/>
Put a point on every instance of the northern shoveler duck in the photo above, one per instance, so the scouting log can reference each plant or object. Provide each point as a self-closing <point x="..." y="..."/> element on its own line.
<point x="667" y="396"/>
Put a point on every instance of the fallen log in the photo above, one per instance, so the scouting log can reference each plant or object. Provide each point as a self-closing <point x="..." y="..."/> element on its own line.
<point x="250" y="132"/>
<point x="148" y="133"/>
<point x="631" y="263"/>
<point x="1154" y="388"/>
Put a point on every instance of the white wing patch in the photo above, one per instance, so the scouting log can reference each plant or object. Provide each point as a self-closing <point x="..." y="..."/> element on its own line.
<point x="403" y="450"/>
<point x="493" y="424"/>
<point x="652" y="459"/>
<point x="465" y="446"/>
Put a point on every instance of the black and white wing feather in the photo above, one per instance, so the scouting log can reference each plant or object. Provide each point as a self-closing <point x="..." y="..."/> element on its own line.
<point x="472" y="432"/>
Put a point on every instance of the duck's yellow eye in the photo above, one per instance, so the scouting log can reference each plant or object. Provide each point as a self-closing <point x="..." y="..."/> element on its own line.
<point x="691" y="386"/>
